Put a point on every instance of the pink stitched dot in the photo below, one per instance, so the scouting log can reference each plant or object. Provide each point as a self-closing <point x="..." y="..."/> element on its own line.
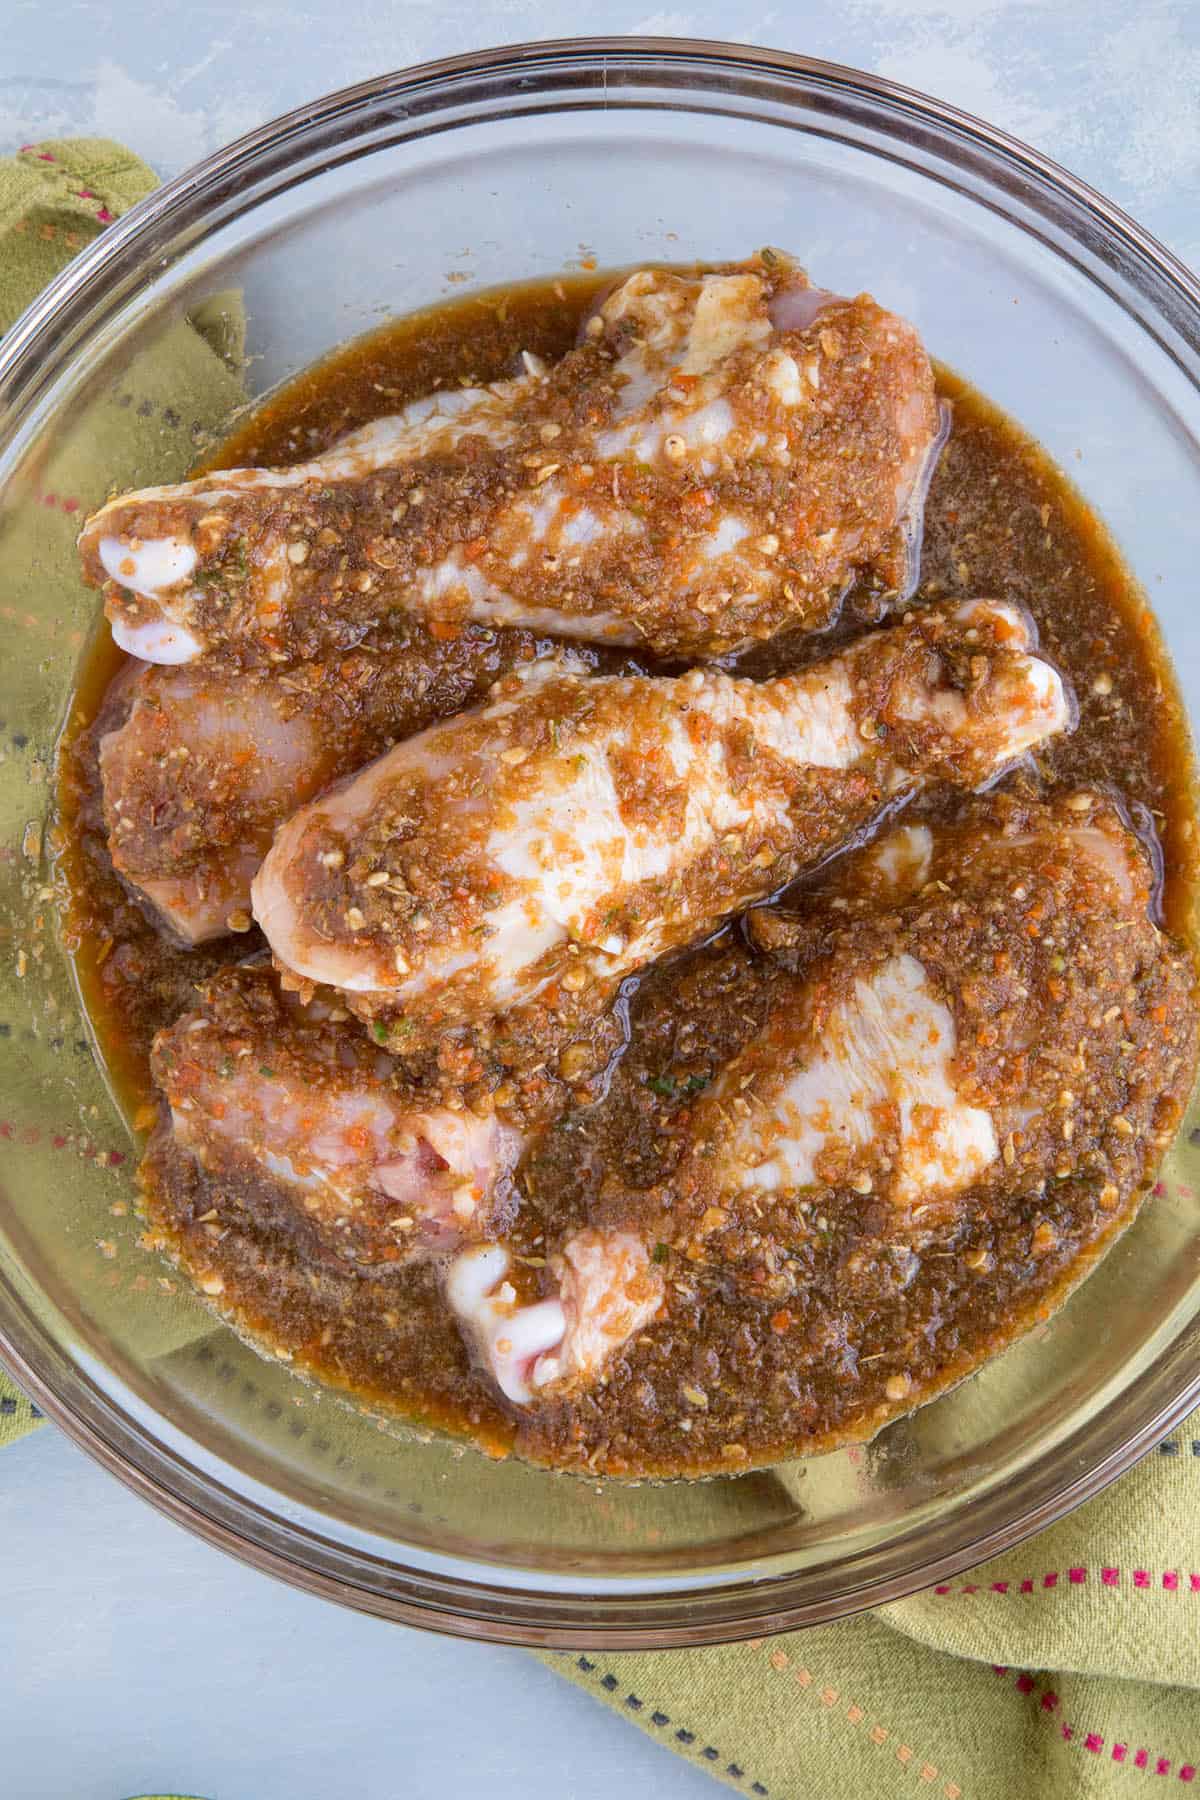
<point x="1068" y="1732"/>
<point x="1077" y="1575"/>
<point x="970" y="1588"/>
<point x="999" y="1668"/>
<point x="46" y="156"/>
<point x="1185" y="1193"/>
<point x="1141" y="1759"/>
<point x="1159" y="1190"/>
<point x="84" y="194"/>
<point x="999" y="1587"/>
<point x="1050" y="1580"/>
<point x="1141" y="1578"/>
<point x="941" y="1590"/>
<point x="1162" y="1766"/>
<point x="6" y="1129"/>
<point x="1195" y="1583"/>
<point x="49" y="499"/>
<point x="1187" y="1772"/>
<point x="104" y="216"/>
<point x="1049" y="1702"/>
<point x="1170" y="1580"/>
<point x="1027" y="1586"/>
<point x="70" y="506"/>
<point x="1119" y="1752"/>
<point x="1024" y="1684"/>
<point x="1093" y="1742"/>
<point x="1110" y="1577"/>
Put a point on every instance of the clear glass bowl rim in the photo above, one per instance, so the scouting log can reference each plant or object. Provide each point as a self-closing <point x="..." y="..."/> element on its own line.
<point x="39" y="346"/>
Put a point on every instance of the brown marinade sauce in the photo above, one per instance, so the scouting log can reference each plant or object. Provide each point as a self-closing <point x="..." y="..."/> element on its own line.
<point x="1001" y="519"/>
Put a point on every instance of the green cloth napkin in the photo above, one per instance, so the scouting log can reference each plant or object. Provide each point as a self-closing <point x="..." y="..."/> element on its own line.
<point x="54" y="199"/>
<point x="1070" y="1666"/>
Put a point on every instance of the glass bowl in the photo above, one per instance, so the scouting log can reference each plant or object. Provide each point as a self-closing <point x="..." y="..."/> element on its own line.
<point x="509" y="163"/>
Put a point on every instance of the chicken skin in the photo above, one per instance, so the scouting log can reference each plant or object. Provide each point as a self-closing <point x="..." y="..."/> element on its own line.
<point x="1011" y="1018"/>
<point x="200" y="766"/>
<point x="560" y="838"/>
<point x="305" y="1130"/>
<point x="722" y="456"/>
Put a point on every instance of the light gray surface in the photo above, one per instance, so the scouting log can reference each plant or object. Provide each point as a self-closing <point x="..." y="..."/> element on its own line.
<point x="134" y="1660"/>
<point x="132" y="1657"/>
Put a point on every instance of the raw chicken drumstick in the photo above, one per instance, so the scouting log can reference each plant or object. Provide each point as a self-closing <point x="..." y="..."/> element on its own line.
<point x="721" y="457"/>
<point x="604" y="1290"/>
<point x="199" y="766"/>
<point x="555" y="841"/>
<point x="1013" y="1018"/>
<point x="305" y="1129"/>
<point x="985" y="1013"/>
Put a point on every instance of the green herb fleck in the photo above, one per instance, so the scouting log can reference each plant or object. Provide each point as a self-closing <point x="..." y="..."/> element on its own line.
<point x="226" y="1068"/>
<point x="267" y="1074"/>
<point x="379" y="1032"/>
<point x="661" y="1253"/>
<point x="663" y="1084"/>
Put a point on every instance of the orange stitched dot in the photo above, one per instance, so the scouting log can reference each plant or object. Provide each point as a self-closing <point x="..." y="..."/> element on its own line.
<point x="878" y="1735"/>
<point x="829" y="1696"/>
<point x="778" y="1660"/>
<point x="854" y="1714"/>
<point x="928" y="1772"/>
<point x="803" y="1678"/>
<point x="952" y="1791"/>
<point x="904" y="1753"/>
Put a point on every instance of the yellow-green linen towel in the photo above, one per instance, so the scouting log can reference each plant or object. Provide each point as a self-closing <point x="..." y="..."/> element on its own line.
<point x="1070" y="1666"/>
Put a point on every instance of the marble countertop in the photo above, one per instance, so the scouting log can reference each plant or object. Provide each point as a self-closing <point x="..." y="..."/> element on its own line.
<point x="134" y="1658"/>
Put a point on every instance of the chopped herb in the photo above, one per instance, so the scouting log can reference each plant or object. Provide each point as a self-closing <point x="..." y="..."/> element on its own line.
<point x="661" y="1253"/>
<point x="268" y="1074"/>
<point x="695" y="1083"/>
<point x="226" y="1068"/>
<point x="379" y="1032"/>
<point x="663" y="1084"/>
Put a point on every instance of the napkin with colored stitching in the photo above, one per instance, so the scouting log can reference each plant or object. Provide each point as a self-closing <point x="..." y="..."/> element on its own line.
<point x="1070" y="1666"/>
